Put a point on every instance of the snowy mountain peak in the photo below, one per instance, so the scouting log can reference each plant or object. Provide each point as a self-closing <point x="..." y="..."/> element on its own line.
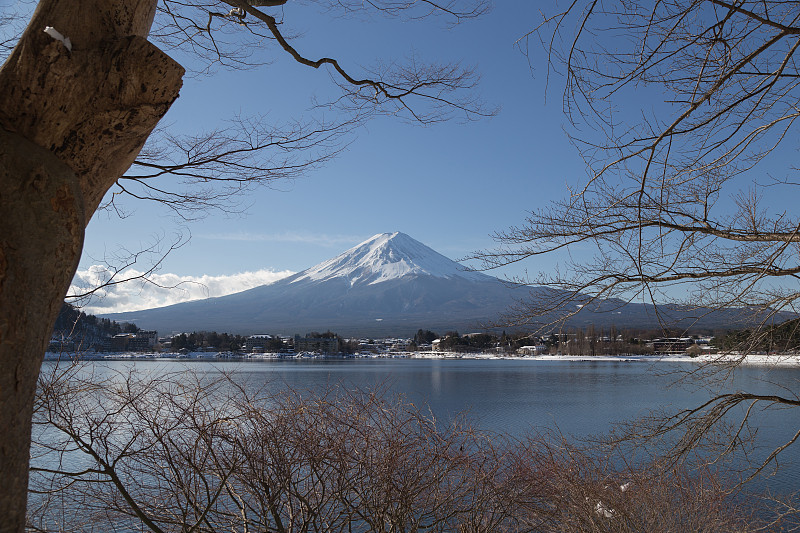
<point x="385" y="257"/>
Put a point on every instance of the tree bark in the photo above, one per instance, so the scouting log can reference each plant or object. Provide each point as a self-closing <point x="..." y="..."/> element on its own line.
<point x="71" y="123"/>
<point x="95" y="105"/>
<point x="32" y="272"/>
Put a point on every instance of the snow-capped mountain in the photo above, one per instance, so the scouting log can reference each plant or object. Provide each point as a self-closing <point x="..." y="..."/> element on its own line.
<point x="385" y="257"/>
<point x="389" y="284"/>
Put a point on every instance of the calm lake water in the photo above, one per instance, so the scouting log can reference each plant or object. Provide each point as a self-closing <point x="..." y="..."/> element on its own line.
<point x="516" y="396"/>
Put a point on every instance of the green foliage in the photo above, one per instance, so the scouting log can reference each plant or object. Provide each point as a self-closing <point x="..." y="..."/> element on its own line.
<point x="275" y="344"/>
<point x="784" y="337"/>
<point x="225" y="342"/>
<point x="73" y="322"/>
<point x="474" y="342"/>
<point x="424" y="337"/>
<point x="327" y="335"/>
<point x="346" y="346"/>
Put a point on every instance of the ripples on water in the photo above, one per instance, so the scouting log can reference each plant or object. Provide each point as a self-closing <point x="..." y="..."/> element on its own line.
<point x="516" y="396"/>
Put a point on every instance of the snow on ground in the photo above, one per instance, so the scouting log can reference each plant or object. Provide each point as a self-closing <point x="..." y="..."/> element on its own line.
<point x="787" y="360"/>
<point x="751" y="359"/>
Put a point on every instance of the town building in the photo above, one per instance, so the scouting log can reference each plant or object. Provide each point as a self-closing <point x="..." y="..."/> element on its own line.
<point x="538" y="349"/>
<point x="257" y="343"/>
<point x="143" y="341"/>
<point x="150" y="335"/>
<point x="316" y="344"/>
<point x="671" y="345"/>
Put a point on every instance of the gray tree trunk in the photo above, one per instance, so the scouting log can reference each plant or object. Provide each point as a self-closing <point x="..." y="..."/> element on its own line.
<point x="71" y="123"/>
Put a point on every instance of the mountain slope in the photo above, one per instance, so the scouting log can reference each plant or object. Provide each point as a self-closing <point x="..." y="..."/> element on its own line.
<point x="385" y="257"/>
<point x="388" y="285"/>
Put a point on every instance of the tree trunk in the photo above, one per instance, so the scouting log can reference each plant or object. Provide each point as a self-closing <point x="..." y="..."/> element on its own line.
<point x="71" y="123"/>
<point x="40" y="248"/>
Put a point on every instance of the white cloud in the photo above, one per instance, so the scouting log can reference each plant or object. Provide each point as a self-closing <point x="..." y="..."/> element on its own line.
<point x="158" y="290"/>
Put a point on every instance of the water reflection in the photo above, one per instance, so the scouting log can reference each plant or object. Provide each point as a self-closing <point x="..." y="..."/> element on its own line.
<point x="510" y="396"/>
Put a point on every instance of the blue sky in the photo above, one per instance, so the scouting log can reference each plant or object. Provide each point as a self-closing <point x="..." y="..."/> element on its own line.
<point x="449" y="185"/>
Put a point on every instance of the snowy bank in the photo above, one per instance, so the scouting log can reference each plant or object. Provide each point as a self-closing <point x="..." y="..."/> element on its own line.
<point x="785" y="360"/>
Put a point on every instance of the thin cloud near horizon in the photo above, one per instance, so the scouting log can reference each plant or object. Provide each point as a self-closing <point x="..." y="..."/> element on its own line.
<point x="159" y="290"/>
<point x="306" y="238"/>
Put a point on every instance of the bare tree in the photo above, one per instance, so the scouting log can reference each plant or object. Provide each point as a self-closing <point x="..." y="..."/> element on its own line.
<point x="188" y="452"/>
<point x="684" y="113"/>
<point x="82" y="91"/>
<point x="676" y="198"/>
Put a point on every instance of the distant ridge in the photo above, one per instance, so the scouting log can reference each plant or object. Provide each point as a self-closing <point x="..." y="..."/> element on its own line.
<point x="389" y="285"/>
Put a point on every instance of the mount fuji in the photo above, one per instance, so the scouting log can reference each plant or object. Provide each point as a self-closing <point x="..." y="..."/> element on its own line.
<point x="392" y="285"/>
<point x="389" y="284"/>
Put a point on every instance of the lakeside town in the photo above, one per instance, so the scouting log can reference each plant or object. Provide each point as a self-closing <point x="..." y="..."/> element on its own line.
<point x="92" y="337"/>
<point x="425" y="344"/>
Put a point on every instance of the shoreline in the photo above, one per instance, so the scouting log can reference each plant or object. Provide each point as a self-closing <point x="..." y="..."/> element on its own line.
<point x="784" y="360"/>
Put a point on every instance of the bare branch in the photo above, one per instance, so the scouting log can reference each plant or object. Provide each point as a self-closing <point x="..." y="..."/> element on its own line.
<point x="212" y="453"/>
<point x="657" y="205"/>
<point x="681" y="112"/>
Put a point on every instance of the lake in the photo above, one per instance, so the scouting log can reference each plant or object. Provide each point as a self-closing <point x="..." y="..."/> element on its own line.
<point x="580" y="398"/>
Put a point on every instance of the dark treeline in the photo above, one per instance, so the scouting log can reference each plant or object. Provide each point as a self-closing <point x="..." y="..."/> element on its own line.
<point x="474" y="342"/>
<point x="227" y="342"/>
<point x="346" y="346"/>
<point x="784" y="337"/>
<point x="209" y="339"/>
<point x="569" y="341"/>
<point x="74" y="322"/>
